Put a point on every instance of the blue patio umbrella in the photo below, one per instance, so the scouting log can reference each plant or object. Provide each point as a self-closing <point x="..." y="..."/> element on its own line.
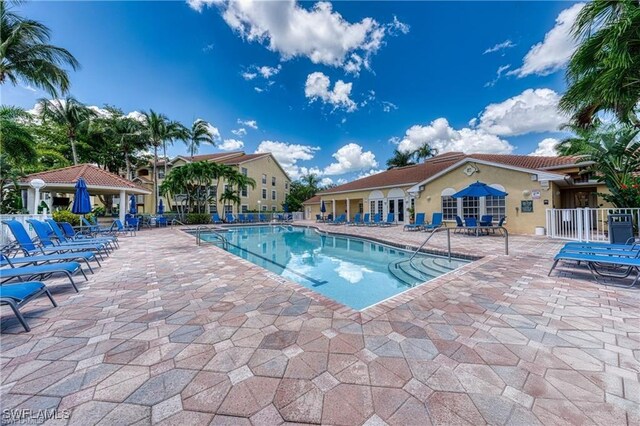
<point x="133" y="208"/>
<point x="81" y="199"/>
<point x="478" y="190"/>
<point x="160" y="207"/>
<point x="285" y="208"/>
<point x="323" y="209"/>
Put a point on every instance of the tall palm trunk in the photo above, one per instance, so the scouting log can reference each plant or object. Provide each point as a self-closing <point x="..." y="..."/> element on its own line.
<point x="74" y="153"/>
<point x="155" y="177"/>
<point x="164" y="152"/>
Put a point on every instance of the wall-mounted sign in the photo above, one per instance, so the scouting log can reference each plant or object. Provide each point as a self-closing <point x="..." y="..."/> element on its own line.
<point x="546" y="202"/>
<point x="535" y="194"/>
<point x="526" y="206"/>
<point x="470" y="169"/>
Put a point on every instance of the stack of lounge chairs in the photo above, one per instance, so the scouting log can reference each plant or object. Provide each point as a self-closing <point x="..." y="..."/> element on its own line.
<point x="58" y="251"/>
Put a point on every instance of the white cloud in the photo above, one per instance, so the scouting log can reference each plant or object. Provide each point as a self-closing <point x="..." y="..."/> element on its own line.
<point x="319" y="33"/>
<point x="258" y="89"/>
<point x="231" y="145"/>
<point x="350" y="158"/>
<point x="268" y="72"/>
<point x="398" y="27"/>
<point x="249" y="75"/>
<point x="136" y="115"/>
<point x="214" y="132"/>
<point x="318" y="85"/>
<point x="208" y="48"/>
<point x="534" y="110"/>
<point x="369" y="173"/>
<point x="499" y="72"/>
<point x="554" y="52"/>
<point x="239" y="132"/>
<point x="326" y="181"/>
<point x="500" y="46"/>
<point x="288" y="155"/>
<point x="388" y="106"/>
<point x="249" y="123"/>
<point x="441" y="136"/>
<point x="351" y="272"/>
<point x="546" y="148"/>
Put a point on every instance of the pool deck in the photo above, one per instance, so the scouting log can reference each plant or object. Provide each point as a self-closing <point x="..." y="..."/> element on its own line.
<point x="167" y="332"/>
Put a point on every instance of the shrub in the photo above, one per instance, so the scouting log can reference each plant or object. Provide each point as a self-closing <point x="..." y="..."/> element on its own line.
<point x="198" y="218"/>
<point x="66" y="216"/>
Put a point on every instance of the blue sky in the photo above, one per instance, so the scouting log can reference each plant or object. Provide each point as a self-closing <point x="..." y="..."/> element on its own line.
<point x="329" y="88"/>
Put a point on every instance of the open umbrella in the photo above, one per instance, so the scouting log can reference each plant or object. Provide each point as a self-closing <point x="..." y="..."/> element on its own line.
<point x="478" y="190"/>
<point x="81" y="199"/>
<point x="133" y="208"/>
<point x="160" y="207"/>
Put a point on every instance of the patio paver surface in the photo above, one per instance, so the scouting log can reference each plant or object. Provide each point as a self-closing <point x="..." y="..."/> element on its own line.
<point x="167" y="332"/>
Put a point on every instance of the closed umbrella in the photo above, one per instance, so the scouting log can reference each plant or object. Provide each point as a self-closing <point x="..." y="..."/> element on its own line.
<point x="323" y="209"/>
<point x="478" y="190"/>
<point x="133" y="207"/>
<point x="160" y="207"/>
<point x="81" y="199"/>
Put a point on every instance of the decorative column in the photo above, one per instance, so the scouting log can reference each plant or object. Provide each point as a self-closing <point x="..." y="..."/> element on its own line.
<point x="348" y="211"/>
<point x="333" y="208"/>
<point x="123" y="205"/>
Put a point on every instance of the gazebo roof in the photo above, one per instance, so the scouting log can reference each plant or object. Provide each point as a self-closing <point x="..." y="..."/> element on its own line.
<point x="98" y="181"/>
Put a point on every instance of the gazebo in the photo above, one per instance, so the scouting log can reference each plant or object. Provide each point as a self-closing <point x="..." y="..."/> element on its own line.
<point x="99" y="182"/>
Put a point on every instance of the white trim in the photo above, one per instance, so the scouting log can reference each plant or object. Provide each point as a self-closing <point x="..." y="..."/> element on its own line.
<point x="53" y="187"/>
<point x="542" y="175"/>
<point x="370" y="188"/>
<point x="447" y="192"/>
<point x="376" y="195"/>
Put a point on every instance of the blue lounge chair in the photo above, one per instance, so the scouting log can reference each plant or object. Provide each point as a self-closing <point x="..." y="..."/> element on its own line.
<point x="340" y="220"/>
<point x="44" y="259"/>
<point x="229" y="218"/>
<point x="357" y="220"/>
<point x="391" y="220"/>
<point x="329" y="218"/>
<point x="94" y="229"/>
<point x="41" y="271"/>
<point x="263" y="218"/>
<point x="318" y="218"/>
<point x="251" y="218"/>
<point x="471" y="223"/>
<point x="486" y="220"/>
<point x="242" y="218"/>
<point x="161" y="221"/>
<point x="29" y="248"/>
<point x="132" y="222"/>
<point x="459" y="225"/>
<point x="70" y="233"/>
<point x="215" y="218"/>
<point x="19" y="294"/>
<point x="436" y="222"/>
<point x="57" y="231"/>
<point x="376" y="220"/>
<point x="417" y="224"/>
<point x="121" y="229"/>
<point x="366" y="220"/>
<point x="42" y="230"/>
<point x="614" y="259"/>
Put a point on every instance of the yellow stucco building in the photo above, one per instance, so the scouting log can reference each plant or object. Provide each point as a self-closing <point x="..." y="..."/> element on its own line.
<point x="272" y="182"/>
<point x="533" y="185"/>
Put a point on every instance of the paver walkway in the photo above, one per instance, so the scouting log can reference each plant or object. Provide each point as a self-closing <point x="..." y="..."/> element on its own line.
<point x="171" y="333"/>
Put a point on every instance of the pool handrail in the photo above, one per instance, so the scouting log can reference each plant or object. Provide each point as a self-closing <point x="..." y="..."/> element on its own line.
<point x="448" y="230"/>
<point x="212" y="230"/>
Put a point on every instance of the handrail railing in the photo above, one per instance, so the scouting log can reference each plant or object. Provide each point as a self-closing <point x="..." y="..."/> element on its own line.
<point x="209" y="229"/>
<point x="477" y="229"/>
<point x="174" y="221"/>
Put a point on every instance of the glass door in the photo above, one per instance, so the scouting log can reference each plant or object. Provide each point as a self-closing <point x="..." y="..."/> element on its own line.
<point x="400" y="216"/>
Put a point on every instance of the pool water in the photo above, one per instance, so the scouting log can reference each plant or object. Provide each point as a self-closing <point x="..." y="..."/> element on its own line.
<point x="353" y="271"/>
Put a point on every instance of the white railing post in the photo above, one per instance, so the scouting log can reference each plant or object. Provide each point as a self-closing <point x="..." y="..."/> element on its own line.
<point x="586" y="221"/>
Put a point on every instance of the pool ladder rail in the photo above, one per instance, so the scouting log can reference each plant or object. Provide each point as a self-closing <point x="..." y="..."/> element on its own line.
<point x="211" y="231"/>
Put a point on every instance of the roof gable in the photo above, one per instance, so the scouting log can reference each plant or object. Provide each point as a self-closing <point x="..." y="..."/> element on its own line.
<point x="92" y="174"/>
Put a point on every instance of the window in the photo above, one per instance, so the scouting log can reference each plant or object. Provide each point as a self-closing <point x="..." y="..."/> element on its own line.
<point x="273" y="181"/>
<point x="139" y="199"/>
<point x="264" y="208"/>
<point x="496" y="207"/>
<point x="264" y="194"/>
<point x="360" y="208"/>
<point x="244" y="171"/>
<point x="449" y="205"/>
<point x="470" y="207"/>
<point x="273" y="195"/>
<point x="244" y="208"/>
<point x="372" y="207"/>
<point x="286" y="185"/>
<point x="244" y="191"/>
<point x="228" y="209"/>
<point x="380" y="208"/>
<point x="213" y="191"/>
<point x="143" y="172"/>
<point x="273" y="208"/>
<point x="160" y="174"/>
<point x="264" y="179"/>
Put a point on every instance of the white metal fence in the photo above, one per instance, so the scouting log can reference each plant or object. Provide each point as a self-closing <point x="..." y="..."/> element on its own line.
<point x="585" y="224"/>
<point x="5" y="234"/>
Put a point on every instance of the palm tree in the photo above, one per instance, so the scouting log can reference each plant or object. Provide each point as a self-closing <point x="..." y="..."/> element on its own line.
<point x="312" y="182"/>
<point x="240" y="181"/>
<point x="26" y="55"/>
<point x="70" y="114"/>
<point x="158" y="129"/>
<point x="230" y="196"/>
<point x="127" y="132"/>
<point x="198" y="134"/>
<point x="604" y="72"/>
<point x="578" y="143"/>
<point x="220" y="172"/>
<point x="16" y="141"/>
<point x="400" y="159"/>
<point x="424" y="152"/>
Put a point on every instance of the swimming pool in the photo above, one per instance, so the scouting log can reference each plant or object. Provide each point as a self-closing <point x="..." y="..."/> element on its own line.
<point x="353" y="271"/>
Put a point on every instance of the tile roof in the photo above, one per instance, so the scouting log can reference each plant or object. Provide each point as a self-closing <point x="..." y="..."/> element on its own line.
<point x="217" y="155"/>
<point x="409" y="175"/>
<point x="242" y="158"/>
<point x="92" y="174"/>
<point x="313" y="200"/>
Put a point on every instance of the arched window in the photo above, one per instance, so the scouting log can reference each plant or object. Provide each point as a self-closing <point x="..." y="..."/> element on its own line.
<point x="376" y="202"/>
<point x="496" y="206"/>
<point x="449" y="204"/>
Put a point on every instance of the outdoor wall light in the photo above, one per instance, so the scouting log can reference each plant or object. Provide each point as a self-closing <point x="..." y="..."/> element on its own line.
<point x="428" y="197"/>
<point x="526" y="193"/>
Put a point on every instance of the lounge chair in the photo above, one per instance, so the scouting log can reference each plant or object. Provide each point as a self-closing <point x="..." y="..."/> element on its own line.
<point x="94" y="229"/>
<point x="230" y="218"/>
<point x="357" y="219"/>
<point x="133" y="223"/>
<point x="417" y="224"/>
<point x="377" y="221"/>
<point x="19" y="294"/>
<point x="436" y="222"/>
<point x="70" y="233"/>
<point x="471" y="223"/>
<point x="45" y="259"/>
<point x="391" y="220"/>
<point x="57" y="231"/>
<point x="161" y="221"/>
<point x="329" y="218"/>
<point x="215" y="218"/>
<point x="251" y="218"/>
<point x="42" y="230"/>
<point x="340" y="220"/>
<point x="614" y="259"/>
<point x="366" y="220"/>
<point x="242" y="218"/>
<point x="30" y="249"/>
<point x="42" y="271"/>
<point x="459" y="225"/>
<point x="486" y="220"/>
<point x="319" y="218"/>
<point x="263" y="218"/>
<point x="121" y="229"/>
